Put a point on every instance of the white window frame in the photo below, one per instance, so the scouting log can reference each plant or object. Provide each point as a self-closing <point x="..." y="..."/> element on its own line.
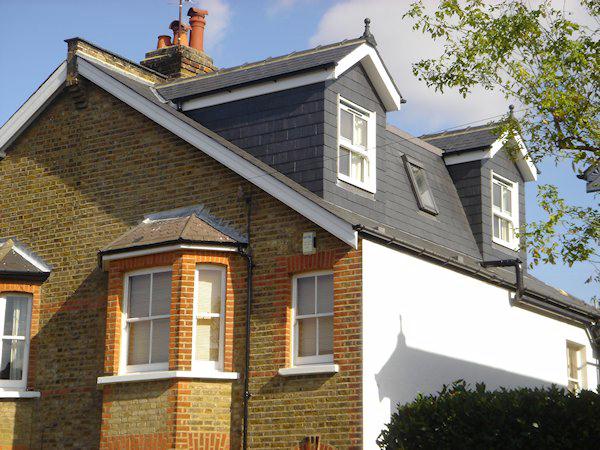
<point x="11" y="385"/>
<point x="513" y="218"/>
<point x="135" y="368"/>
<point x="581" y="380"/>
<point x="370" y="153"/>
<point x="210" y="365"/>
<point x="304" y="360"/>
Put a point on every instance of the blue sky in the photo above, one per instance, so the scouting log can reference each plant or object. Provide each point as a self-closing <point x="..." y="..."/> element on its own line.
<point x="32" y="37"/>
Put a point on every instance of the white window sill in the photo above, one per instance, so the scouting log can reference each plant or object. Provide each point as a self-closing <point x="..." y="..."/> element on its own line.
<point x="168" y="374"/>
<point x="309" y="369"/>
<point x="510" y="245"/>
<point x="19" y="394"/>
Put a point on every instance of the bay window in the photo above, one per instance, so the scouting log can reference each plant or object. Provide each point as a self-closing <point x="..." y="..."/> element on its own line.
<point x="313" y="318"/>
<point x="209" y="312"/>
<point x="356" y="145"/>
<point x="147" y="315"/>
<point x="505" y="216"/>
<point x="576" y="367"/>
<point x="15" y="317"/>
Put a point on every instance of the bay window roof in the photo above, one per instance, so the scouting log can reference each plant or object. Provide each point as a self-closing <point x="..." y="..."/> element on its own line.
<point x="18" y="262"/>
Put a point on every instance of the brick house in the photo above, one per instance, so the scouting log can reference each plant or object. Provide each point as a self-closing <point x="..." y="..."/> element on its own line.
<point x="145" y="206"/>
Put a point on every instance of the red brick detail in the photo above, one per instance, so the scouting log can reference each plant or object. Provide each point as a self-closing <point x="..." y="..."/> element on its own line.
<point x="35" y="292"/>
<point x="157" y="441"/>
<point x="208" y="441"/>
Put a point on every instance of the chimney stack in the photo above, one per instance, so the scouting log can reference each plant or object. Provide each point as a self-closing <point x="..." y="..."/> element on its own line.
<point x="198" y="22"/>
<point x="182" y="57"/>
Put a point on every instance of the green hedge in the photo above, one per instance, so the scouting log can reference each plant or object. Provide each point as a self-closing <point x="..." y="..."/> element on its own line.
<point x="462" y="417"/>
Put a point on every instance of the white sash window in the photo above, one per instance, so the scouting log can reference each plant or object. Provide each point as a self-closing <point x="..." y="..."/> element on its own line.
<point x="505" y="212"/>
<point x="15" y="318"/>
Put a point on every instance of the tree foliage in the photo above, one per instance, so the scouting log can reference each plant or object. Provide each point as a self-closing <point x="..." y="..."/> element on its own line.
<point x="547" y="64"/>
<point x="462" y="417"/>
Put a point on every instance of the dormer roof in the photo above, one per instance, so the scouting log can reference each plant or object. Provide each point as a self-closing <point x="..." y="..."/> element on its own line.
<point x="481" y="142"/>
<point x="18" y="262"/>
<point x="273" y="74"/>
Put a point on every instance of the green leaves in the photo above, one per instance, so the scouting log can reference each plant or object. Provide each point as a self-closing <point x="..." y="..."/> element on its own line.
<point x="462" y="417"/>
<point x="549" y="65"/>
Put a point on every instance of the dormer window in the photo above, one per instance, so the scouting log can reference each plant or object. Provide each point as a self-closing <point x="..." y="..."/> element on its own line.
<point x="420" y="185"/>
<point x="505" y="205"/>
<point x="356" y="145"/>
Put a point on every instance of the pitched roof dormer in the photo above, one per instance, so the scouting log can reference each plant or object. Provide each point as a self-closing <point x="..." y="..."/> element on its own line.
<point x="17" y="262"/>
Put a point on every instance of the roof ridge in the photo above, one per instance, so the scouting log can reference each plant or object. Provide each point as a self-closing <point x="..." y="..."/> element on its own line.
<point x="264" y="61"/>
<point x="460" y="131"/>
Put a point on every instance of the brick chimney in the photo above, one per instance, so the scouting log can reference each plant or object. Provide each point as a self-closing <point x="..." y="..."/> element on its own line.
<point x="180" y="57"/>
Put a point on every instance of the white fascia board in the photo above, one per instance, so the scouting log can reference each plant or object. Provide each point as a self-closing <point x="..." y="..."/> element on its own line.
<point x="276" y="85"/>
<point x="32" y="107"/>
<point x="338" y="227"/>
<point x="467" y="156"/>
<point x="524" y="163"/>
<point x="19" y="394"/>
<point x="378" y="75"/>
<point x="32" y="260"/>
<point x="166" y="248"/>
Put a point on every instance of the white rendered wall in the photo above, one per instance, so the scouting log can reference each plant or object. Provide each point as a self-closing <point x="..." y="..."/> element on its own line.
<point x="425" y="326"/>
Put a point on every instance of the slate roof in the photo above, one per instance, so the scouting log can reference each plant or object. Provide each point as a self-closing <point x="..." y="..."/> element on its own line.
<point x="471" y="138"/>
<point x="183" y="225"/>
<point x="421" y="244"/>
<point x="16" y="260"/>
<point x="322" y="56"/>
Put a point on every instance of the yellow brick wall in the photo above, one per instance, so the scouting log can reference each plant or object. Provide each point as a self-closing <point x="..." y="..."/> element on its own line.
<point x="15" y="423"/>
<point x="76" y="180"/>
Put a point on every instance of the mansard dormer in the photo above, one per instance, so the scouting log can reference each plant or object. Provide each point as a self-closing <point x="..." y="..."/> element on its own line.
<point x="490" y="180"/>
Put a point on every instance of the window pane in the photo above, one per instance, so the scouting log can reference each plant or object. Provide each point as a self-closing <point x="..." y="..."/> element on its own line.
<point x="161" y="293"/>
<point x="507" y="200"/>
<point x="358" y="169"/>
<point x="422" y="187"/>
<point x="15" y="317"/>
<point x="209" y="291"/>
<point x="139" y="295"/>
<point x="160" y="341"/>
<point x="307" y="337"/>
<point x="572" y="363"/>
<point x="346" y="124"/>
<point x="497" y="195"/>
<point x="306" y="296"/>
<point x="207" y="339"/>
<point x="497" y="227"/>
<point x="11" y="365"/>
<point x="325" y="335"/>
<point x="360" y="132"/>
<point x="139" y="343"/>
<point x="325" y="293"/>
<point x="344" y="162"/>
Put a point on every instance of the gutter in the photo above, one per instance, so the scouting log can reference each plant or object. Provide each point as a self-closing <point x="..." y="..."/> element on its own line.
<point x="534" y="299"/>
<point x="24" y="276"/>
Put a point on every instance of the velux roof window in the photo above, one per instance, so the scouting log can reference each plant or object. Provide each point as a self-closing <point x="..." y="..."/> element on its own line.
<point x="420" y="185"/>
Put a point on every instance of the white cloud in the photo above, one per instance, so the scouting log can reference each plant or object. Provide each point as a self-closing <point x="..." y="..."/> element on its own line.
<point x="400" y="46"/>
<point x="277" y="6"/>
<point x="217" y="22"/>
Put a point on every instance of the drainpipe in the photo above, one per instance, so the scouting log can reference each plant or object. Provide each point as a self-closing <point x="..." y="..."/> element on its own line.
<point x="517" y="264"/>
<point x="247" y="253"/>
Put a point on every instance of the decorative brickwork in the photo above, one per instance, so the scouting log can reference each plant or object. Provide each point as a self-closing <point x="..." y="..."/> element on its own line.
<point x="78" y="178"/>
<point x="179" y="61"/>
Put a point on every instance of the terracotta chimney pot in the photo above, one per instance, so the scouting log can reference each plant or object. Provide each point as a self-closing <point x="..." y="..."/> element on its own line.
<point x="164" y="41"/>
<point x="198" y="22"/>
<point x="183" y="37"/>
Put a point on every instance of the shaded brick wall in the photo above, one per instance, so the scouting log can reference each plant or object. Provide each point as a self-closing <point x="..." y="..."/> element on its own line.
<point x="76" y="180"/>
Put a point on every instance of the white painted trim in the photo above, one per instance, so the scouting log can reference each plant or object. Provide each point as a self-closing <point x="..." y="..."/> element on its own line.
<point x="33" y="106"/>
<point x="524" y="163"/>
<point x="373" y="65"/>
<point x="30" y="259"/>
<point x="364" y="54"/>
<point x="210" y="365"/>
<point x="166" y="248"/>
<point x="17" y="385"/>
<point x="168" y="374"/>
<point x="257" y="176"/>
<point x="307" y="369"/>
<point x="514" y="244"/>
<point x="238" y="93"/>
<point x="19" y="394"/>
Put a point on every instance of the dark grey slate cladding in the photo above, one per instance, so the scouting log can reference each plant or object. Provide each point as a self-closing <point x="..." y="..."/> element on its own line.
<point x="502" y="165"/>
<point x="283" y="129"/>
<point x="394" y="203"/>
<point x="474" y="186"/>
